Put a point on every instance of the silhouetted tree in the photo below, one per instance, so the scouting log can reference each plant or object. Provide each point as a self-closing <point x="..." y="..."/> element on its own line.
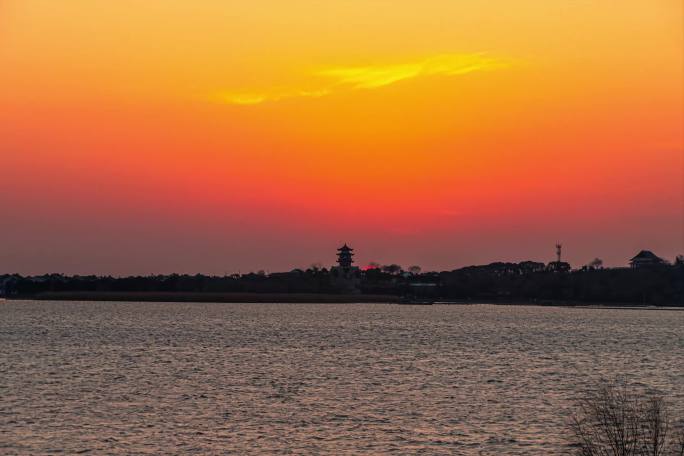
<point x="596" y="263"/>
<point x="392" y="269"/>
<point x="500" y="281"/>
<point x="615" y="420"/>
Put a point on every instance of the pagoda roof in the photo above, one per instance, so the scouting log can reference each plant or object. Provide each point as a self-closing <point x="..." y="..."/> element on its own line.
<point x="646" y="255"/>
<point x="345" y="247"/>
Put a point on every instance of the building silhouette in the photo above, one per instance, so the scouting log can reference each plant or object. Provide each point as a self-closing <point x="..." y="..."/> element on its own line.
<point x="345" y="257"/>
<point x="558" y="265"/>
<point x="645" y="259"/>
<point x="345" y="277"/>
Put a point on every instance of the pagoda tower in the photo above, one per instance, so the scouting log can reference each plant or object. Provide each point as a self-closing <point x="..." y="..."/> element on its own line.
<point x="345" y="257"/>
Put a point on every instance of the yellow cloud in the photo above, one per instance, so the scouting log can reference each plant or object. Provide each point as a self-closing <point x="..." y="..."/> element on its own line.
<point x="253" y="98"/>
<point x="246" y="98"/>
<point x="372" y="77"/>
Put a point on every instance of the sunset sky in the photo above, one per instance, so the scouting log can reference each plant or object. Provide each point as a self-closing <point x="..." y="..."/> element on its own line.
<point x="216" y="136"/>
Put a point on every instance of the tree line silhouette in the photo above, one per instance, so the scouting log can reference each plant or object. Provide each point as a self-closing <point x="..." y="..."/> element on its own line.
<point x="526" y="281"/>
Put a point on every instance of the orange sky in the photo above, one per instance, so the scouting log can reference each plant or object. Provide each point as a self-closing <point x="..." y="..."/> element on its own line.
<point x="212" y="136"/>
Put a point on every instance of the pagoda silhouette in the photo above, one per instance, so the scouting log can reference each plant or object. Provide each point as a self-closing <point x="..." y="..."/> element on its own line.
<point x="345" y="257"/>
<point x="346" y="277"/>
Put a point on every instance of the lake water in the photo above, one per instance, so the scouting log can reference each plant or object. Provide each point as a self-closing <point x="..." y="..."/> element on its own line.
<point x="163" y="378"/>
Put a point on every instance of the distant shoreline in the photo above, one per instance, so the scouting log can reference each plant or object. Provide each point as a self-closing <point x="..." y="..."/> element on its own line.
<point x="308" y="298"/>
<point x="247" y="298"/>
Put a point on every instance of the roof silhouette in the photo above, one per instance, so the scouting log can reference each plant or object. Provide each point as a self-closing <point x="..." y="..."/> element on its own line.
<point x="646" y="255"/>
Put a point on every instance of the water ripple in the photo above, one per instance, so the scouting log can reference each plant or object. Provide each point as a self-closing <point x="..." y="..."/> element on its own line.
<point x="161" y="378"/>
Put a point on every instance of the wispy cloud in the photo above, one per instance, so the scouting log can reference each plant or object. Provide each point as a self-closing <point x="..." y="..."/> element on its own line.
<point x="348" y="78"/>
<point x="371" y="77"/>
<point x="253" y="98"/>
